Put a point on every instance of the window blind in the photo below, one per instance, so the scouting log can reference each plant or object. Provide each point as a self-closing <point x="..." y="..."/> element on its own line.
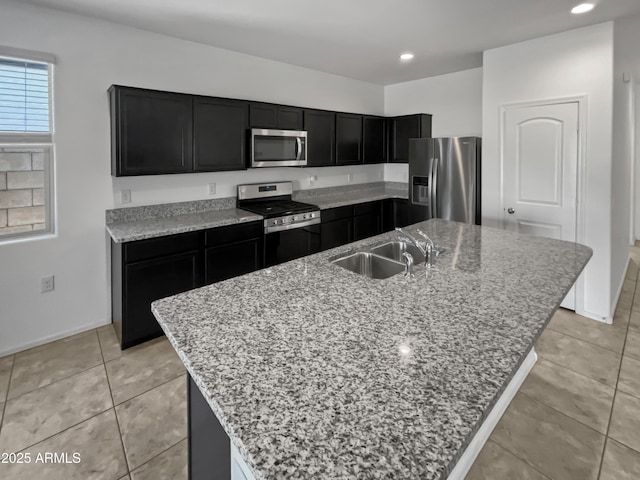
<point x="24" y="96"/>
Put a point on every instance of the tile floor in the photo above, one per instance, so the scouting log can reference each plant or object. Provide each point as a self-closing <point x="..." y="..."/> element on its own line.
<point x="577" y="416"/>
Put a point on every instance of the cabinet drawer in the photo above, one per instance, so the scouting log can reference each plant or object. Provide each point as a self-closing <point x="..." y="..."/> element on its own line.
<point x="336" y="213"/>
<point x="366" y="208"/>
<point x="156" y="247"/>
<point x="233" y="233"/>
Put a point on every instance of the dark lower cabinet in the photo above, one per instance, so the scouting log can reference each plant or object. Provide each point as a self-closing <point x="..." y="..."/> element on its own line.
<point x="336" y="228"/>
<point x="395" y="213"/>
<point x="343" y="225"/>
<point x="209" y="447"/>
<point x="219" y="136"/>
<point x="232" y="251"/>
<point x="367" y="220"/>
<point x="147" y="270"/>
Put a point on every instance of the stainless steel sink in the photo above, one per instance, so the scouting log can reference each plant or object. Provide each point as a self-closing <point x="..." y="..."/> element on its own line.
<point x="394" y="251"/>
<point x="370" y="265"/>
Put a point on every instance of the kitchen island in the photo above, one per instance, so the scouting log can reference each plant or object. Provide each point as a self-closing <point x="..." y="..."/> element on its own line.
<point x="314" y="371"/>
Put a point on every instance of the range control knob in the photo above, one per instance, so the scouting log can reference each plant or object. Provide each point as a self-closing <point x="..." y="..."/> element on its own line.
<point x="311" y="215"/>
<point x="304" y="217"/>
<point x="293" y="219"/>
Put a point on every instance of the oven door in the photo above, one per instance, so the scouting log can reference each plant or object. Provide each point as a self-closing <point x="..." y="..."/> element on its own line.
<point x="278" y="148"/>
<point x="280" y="247"/>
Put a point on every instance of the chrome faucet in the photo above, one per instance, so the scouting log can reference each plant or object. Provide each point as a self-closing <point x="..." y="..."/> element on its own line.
<point x="426" y="247"/>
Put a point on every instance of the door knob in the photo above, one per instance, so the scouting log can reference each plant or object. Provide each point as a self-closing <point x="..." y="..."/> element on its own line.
<point x="510" y="211"/>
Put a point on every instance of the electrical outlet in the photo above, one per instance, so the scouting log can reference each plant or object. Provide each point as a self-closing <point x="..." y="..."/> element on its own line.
<point x="211" y="188"/>
<point x="313" y="178"/>
<point x="125" y="196"/>
<point x="47" y="284"/>
<point x="349" y="177"/>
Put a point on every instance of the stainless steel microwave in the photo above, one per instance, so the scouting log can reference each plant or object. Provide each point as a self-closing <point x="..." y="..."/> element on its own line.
<point x="278" y="148"/>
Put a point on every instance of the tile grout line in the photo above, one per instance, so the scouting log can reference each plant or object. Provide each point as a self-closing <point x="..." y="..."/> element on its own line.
<point x="156" y="456"/>
<point x="587" y="341"/>
<point x="57" y="380"/>
<point x="615" y="392"/>
<point x="6" y="400"/>
<point x="574" y="371"/>
<point x="115" y="414"/>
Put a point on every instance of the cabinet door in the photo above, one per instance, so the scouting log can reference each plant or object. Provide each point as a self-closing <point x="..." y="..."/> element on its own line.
<point x="149" y="280"/>
<point x="400" y="212"/>
<point x="336" y="233"/>
<point x="374" y="140"/>
<point x="402" y="129"/>
<point x="227" y="261"/>
<point x="220" y="134"/>
<point x="290" y="118"/>
<point x="263" y="115"/>
<point x="367" y="220"/>
<point x="151" y="132"/>
<point x="348" y="139"/>
<point x="321" y="128"/>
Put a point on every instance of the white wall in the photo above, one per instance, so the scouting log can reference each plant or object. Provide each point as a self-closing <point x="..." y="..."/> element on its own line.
<point x="578" y="62"/>
<point x="626" y="62"/>
<point x="454" y="100"/>
<point x="92" y="55"/>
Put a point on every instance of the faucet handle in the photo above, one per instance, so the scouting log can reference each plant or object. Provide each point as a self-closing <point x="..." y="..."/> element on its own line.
<point x="408" y="266"/>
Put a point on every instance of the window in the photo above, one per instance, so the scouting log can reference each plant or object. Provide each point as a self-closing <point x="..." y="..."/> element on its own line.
<point x="26" y="148"/>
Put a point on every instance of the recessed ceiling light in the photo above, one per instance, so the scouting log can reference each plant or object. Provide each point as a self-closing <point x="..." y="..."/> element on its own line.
<point x="406" y="56"/>
<point x="582" y="8"/>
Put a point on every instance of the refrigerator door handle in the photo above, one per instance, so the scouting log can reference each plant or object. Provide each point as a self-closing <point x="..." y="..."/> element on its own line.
<point x="431" y="188"/>
<point x="434" y="189"/>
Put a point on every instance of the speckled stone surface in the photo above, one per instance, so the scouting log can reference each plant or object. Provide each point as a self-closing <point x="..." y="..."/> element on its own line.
<point x="317" y="372"/>
<point x="333" y="197"/>
<point x="140" y="223"/>
<point x="158" y="227"/>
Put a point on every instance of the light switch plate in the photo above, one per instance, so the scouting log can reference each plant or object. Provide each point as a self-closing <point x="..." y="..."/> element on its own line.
<point x="211" y="188"/>
<point x="125" y="196"/>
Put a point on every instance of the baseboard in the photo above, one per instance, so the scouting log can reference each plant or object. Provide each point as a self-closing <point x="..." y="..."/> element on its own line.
<point x="51" y="338"/>
<point x="469" y="456"/>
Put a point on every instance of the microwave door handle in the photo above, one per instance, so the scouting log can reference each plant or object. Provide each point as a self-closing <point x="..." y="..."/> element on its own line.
<point x="298" y="148"/>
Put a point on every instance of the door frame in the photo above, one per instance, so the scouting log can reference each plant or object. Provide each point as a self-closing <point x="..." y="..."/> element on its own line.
<point x="581" y="183"/>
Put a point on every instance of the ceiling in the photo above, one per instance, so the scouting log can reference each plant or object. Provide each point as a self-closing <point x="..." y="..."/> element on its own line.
<point x="360" y="39"/>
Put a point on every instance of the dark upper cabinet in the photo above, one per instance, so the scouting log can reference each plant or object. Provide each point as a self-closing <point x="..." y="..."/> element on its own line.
<point x="267" y="115"/>
<point x="374" y="140"/>
<point x="401" y="129"/>
<point x="151" y="132"/>
<point x="348" y="139"/>
<point x="290" y="118"/>
<point x="220" y="134"/>
<point x="321" y="128"/>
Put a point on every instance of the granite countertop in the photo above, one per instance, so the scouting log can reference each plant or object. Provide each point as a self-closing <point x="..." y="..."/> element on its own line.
<point x="140" y="223"/>
<point x="330" y="198"/>
<point x="131" y="230"/>
<point x="317" y="372"/>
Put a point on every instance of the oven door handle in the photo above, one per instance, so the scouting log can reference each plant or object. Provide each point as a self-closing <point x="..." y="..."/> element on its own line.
<point x="280" y="228"/>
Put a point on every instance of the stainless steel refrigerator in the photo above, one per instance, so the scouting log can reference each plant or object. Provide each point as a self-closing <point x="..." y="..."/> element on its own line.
<point x="444" y="179"/>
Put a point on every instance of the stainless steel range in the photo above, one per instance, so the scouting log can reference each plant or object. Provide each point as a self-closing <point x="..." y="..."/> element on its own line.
<point x="291" y="229"/>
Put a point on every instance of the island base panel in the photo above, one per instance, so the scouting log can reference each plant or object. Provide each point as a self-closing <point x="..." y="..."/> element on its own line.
<point x="472" y="451"/>
<point x="209" y="446"/>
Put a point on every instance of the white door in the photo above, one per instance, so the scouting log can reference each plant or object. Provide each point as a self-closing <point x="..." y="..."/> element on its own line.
<point x="540" y="170"/>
